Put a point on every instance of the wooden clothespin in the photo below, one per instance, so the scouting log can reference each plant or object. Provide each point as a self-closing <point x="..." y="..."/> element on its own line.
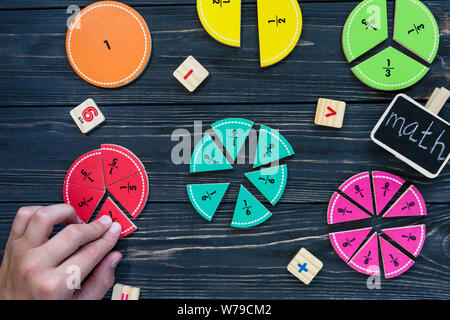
<point x="437" y="100"/>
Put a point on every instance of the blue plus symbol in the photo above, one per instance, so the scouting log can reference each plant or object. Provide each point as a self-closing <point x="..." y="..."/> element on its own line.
<point x="302" y="267"/>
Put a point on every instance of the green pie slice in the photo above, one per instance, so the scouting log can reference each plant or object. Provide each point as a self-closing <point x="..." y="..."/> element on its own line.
<point x="232" y="132"/>
<point x="366" y="27"/>
<point x="390" y="70"/>
<point x="208" y="157"/>
<point x="415" y="28"/>
<point x="270" y="182"/>
<point x="272" y="146"/>
<point x="205" y="198"/>
<point x="249" y="212"/>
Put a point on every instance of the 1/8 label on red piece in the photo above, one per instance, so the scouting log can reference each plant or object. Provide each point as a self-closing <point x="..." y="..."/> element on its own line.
<point x="87" y="171"/>
<point x="131" y="192"/>
<point x="82" y="199"/>
<point x="119" y="163"/>
<point x="112" y="210"/>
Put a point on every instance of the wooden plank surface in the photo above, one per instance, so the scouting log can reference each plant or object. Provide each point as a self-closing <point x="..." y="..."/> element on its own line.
<point x="30" y="4"/>
<point x="174" y="253"/>
<point x="34" y="69"/>
<point x="39" y="145"/>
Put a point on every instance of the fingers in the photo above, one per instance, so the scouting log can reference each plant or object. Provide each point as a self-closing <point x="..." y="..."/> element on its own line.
<point x="45" y="218"/>
<point x="101" y="280"/>
<point x="22" y="220"/>
<point x="91" y="254"/>
<point x="71" y="238"/>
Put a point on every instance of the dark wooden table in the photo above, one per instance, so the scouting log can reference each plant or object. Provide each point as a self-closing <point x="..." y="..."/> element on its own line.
<point x="175" y="253"/>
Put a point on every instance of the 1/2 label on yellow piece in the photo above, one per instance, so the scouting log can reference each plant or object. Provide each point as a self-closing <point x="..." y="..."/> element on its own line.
<point x="222" y="20"/>
<point x="280" y="26"/>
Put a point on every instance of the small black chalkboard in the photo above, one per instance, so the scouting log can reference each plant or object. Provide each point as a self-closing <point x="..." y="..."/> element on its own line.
<point x="414" y="135"/>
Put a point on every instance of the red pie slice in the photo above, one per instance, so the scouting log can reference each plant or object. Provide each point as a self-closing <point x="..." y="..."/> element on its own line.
<point x="83" y="200"/>
<point x="119" y="163"/>
<point x="131" y="192"/>
<point x="87" y="171"/>
<point x="112" y="210"/>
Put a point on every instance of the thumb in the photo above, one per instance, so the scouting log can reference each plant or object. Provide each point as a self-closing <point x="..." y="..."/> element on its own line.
<point x="101" y="279"/>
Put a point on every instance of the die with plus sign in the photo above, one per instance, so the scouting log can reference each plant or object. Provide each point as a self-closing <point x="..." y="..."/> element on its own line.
<point x="87" y="116"/>
<point x="191" y="73"/>
<point x="304" y="266"/>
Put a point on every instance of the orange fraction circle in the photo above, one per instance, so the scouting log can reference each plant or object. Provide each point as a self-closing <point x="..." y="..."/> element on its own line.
<point x="108" y="44"/>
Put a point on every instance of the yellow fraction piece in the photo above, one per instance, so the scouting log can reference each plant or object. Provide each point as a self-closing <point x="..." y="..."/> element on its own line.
<point x="222" y="20"/>
<point x="279" y="25"/>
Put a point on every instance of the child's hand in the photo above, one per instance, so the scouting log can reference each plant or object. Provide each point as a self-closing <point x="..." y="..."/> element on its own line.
<point x="36" y="267"/>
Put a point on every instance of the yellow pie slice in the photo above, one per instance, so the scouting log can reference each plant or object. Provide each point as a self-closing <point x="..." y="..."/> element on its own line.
<point x="222" y="20"/>
<point x="279" y="25"/>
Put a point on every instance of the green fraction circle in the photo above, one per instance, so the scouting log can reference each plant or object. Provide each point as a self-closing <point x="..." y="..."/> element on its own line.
<point x="415" y="28"/>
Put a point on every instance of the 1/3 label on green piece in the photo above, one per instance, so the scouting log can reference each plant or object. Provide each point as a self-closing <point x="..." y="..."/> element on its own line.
<point x="390" y="70"/>
<point x="416" y="29"/>
<point x="366" y="27"/>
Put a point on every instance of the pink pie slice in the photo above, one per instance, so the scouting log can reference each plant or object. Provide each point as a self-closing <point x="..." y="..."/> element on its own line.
<point x="347" y="242"/>
<point x="410" y="238"/>
<point x="395" y="262"/>
<point x="359" y="189"/>
<point x="385" y="187"/>
<point x="366" y="260"/>
<point x="342" y="210"/>
<point x="411" y="203"/>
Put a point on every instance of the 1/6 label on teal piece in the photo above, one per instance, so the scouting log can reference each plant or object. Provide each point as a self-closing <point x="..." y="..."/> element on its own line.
<point x="271" y="182"/>
<point x="365" y="28"/>
<point x="416" y="29"/>
<point x="208" y="157"/>
<point x="205" y="198"/>
<point x="232" y="132"/>
<point x="249" y="212"/>
<point x="272" y="146"/>
<point x="390" y="70"/>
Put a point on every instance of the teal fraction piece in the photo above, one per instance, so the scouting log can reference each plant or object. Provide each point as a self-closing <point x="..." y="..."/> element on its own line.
<point x="270" y="182"/>
<point x="232" y="132"/>
<point x="272" y="146"/>
<point x="249" y="212"/>
<point x="208" y="157"/>
<point x="205" y="198"/>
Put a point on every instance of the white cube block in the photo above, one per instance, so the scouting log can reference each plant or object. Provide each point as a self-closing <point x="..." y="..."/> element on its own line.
<point x="191" y="73"/>
<point x="87" y="116"/>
